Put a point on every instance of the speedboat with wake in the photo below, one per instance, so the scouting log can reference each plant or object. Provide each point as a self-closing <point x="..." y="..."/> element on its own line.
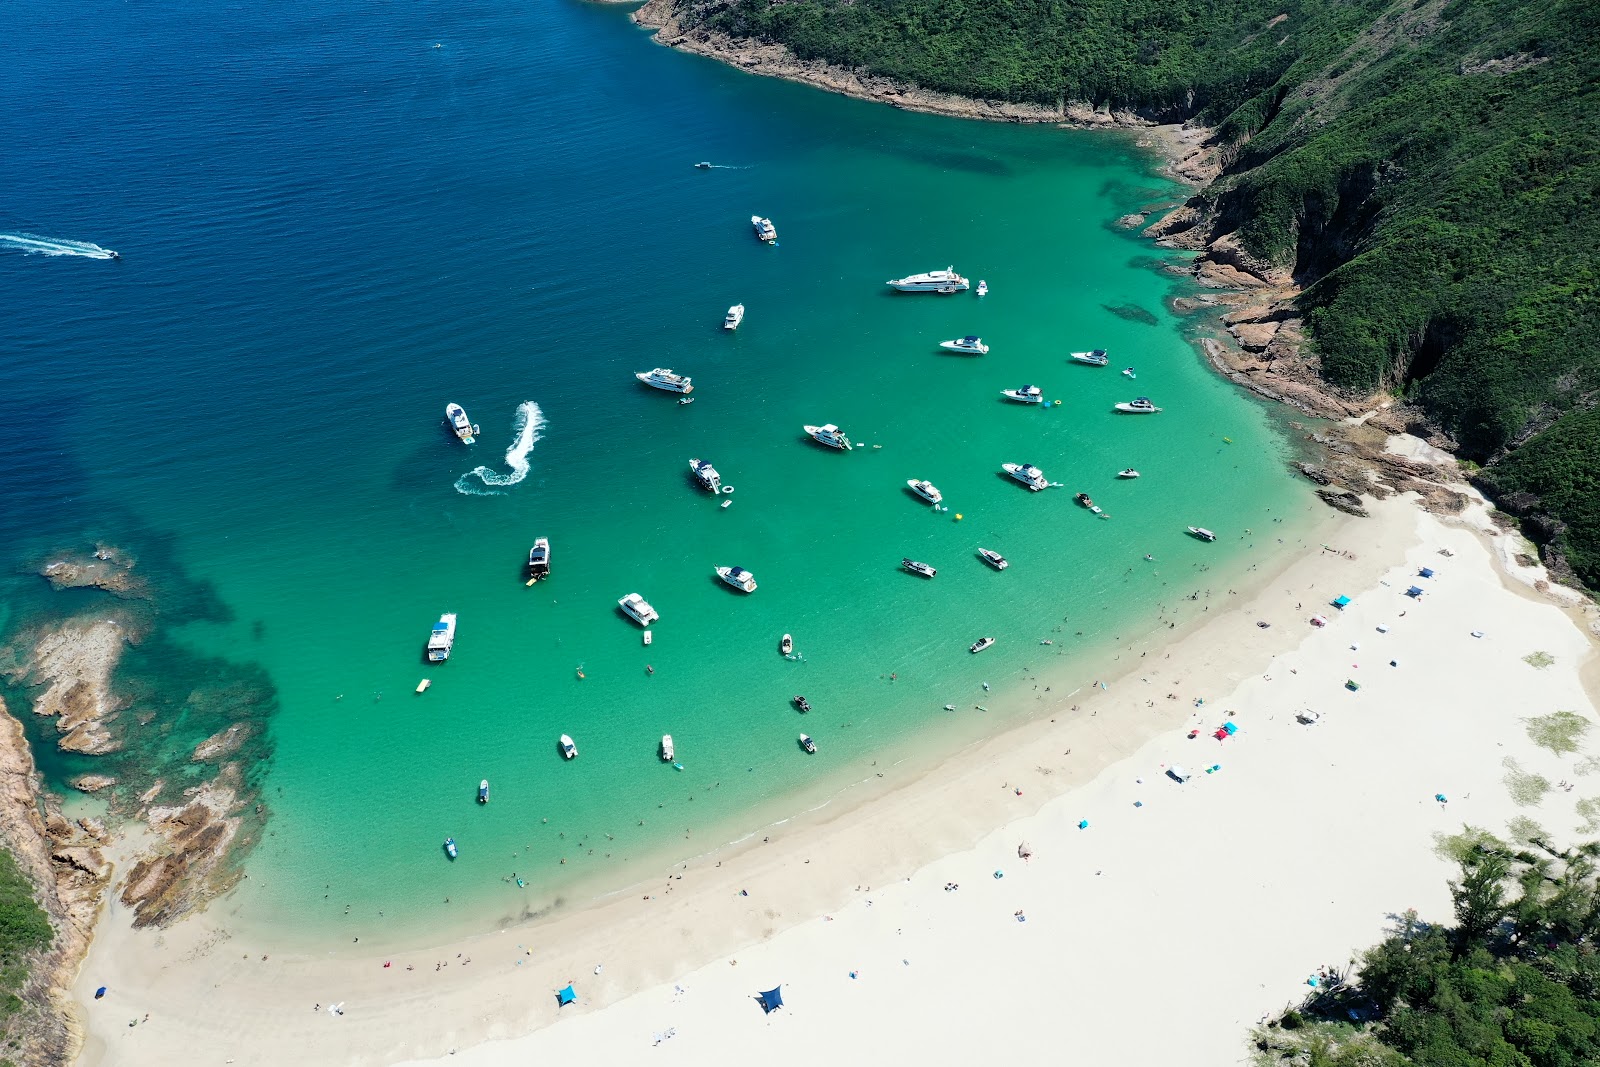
<point x="993" y="558"/>
<point x="969" y="345"/>
<point x="809" y="745"/>
<point x="801" y="703"/>
<point x="1026" y="394"/>
<point x="829" y="435"/>
<point x="733" y="318"/>
<point x="663" y="378"/>
<point x="1127" y="472"/>
<point x="933" y="281"/>
<point x="569" y="750"/>
<point x="1138" y="406"/>
<point x="766" y="233"/>
<point x="442" y="638"/>
<point x="539" y="560"/>
<point x="1084" y="501"/>
<point x="1201" y="533"/>
<point x="1095" y="358"/>
<point x="636" y="608"/>
<point x="460" y="425"/>
<point x="925" y="490"/>
<point x="706" y="475"/>
<point x="981" y="643"/>
<point x="924" y="570"/>
<point x="702" y="166"/>
<point x="1027" y="474"/>
<point x="738" y="577"/>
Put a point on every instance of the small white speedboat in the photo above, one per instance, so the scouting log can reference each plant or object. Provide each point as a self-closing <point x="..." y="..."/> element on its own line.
<point x="981" y="643"/>
<point x="970" y="345"/>
<point x="1137" y="406"/>
<point x="483" y="791"/>
<point x="460" y="425"/>
<point x="738" y="577"/>
<point x="569" y="750"/>
<point x="993" y="558"/>
<point x="1127" y="472"/>
<point x="809" y="745"/>
<point x="734" y="317"/>
<point x="766" y="233"/>
<point x="666" y="748"/>
<point x="983" y="287"/>
<point x="1027" y="474"/>
<point x="923" y="570"/>
<point x="1201" y="533"/>
<point x="786" y="646"/>
<point x="926" y="490"/>
<point x="1027" y="394"/>
<point x="1095" y="358"/>
<point x="829" y="435"/>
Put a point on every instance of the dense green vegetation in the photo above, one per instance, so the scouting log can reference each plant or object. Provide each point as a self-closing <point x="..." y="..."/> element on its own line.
<point x="24" y="929"/>
<point x="1514" y="983"/>
<point x="1430" y="169"/>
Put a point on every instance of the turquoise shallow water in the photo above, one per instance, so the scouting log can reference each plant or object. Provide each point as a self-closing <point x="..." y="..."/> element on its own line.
<point x="335" y="219"/>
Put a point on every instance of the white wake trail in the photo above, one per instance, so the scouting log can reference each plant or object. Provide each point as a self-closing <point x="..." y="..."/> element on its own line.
<point x="33" y="244"/>
<point x="525" y="427"/>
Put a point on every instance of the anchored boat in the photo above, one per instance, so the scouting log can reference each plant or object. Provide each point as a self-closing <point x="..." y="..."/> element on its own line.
<point x="1138" y="406"/>
<point x="539" y="560"/>
<point x="738" y="577"/>
<point x="1095" y="358"/>
<point x="483" y="791"/>
<point x="980" y="644"/>
<point x="1027" y="474"/>
<point x="934" y="281"/>
<point x="969" y="345"/>
<point x="925" y="490"/>
<point x="634" y="607"/>
<point x="993" y="558"/>
<point x="1026" y="394"/>
<point x="666" y="748"/>
<point x="766" y="233"/>
<point x="442" y="638"/>
<point x="569" y="750"/>
<point x="923" y="570"/>
<point x="734" y="317"/>
<point x="663" y="378"/>
<point x="829" y="435"/>
<point x="460" y="425"/>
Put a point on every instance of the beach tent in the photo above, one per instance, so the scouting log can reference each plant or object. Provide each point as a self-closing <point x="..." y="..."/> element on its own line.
<point x="566" y="996"/>
<point x="1352" y="685"/>
<point x="772" y="999"/>
<point x="1341" y="602"/>
<point x="1415" y="592"/>
<point x="1426" y="572"/>
<point x="1231" y="727"/>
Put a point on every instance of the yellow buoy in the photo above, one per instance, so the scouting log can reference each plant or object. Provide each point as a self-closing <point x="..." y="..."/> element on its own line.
<point x="958" y="516"/>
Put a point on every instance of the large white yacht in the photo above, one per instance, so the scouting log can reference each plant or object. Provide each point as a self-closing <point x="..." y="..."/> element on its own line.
<point x="1027" y="474"/>
<point x="829" y="435"/>
<point x="705" y="474"/>
<point x="925" y="490"/>
<point x="460" y="425"/>
<point x="934" y="281"/>
<point x="765" y="231"/>
<point x="917" y="567"/>
<point x="667" y="753"/>
<point x="442" y="638"/>
<point x="1096" y="358"/>
<point x="638" y="609"/>
<point x="663" y="378"/>
<point x="734" y="317"/>
<point x="1137" y="406"/>
<point x="738" y="577"/>
<point x="970" y="345"/>
<point x="993" y="558"/>
<point x="1026" y="394"/>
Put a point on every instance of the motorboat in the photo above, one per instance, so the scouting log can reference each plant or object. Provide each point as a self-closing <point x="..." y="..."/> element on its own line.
<point x="993" y="558"/>
<point x="1129" y="372"/>
<point x="934" y="281"/>
<point x="442" y="638"/>
<point x="636" y="608"/>
<point x="766" y="233"/>
<point x="450" y="847"/>
<point x="702" y="166"/>
<point x="925" y="490"/>
<point x="738" y="577"/>
<point x="829" y="435"/>
<point x="981" y="643"/>
<point x="734" y="317"/>
<point x="809" y="745"/>
<point x="1095" y="358"/>
<point x="983" y="287"/>
<point x="1026" y="394"/>
<point x="663" y="378"/>
<point x="1127" y="472"/>
<point x="460" y="425"/>
<point x="569" y="750"/>
<point x="706" y="475"/>
<point x="1202" y="533"/>
<point x="113" y="255"/>
<point x="666" y="748"/>
<point x="539" y="560"/>
<point x="1027" y="474"/>
<point x="912" y="566"/>
<point x="685" y="401"/>
<point x="1138" y="406"/>
<point x="969" y="345"/>
<point x="483" y="791"/>
<point x="1084" y="501"/>
<point x="786" y="645"/>
<point x="802" y="703"/>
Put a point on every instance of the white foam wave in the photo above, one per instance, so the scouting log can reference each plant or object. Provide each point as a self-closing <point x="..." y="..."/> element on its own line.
<point x="525" y="427"/>
<point x="33" y="244"/>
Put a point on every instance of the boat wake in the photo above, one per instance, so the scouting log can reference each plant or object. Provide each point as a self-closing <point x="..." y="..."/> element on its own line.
<point x="33" y="244"/>
<point x="525" y="427"/>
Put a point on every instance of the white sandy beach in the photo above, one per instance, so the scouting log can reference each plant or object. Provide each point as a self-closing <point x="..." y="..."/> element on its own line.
<point x="1205" y="904"/>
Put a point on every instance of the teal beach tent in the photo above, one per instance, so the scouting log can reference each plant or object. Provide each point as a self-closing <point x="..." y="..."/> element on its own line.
<point x="566" y="996"/>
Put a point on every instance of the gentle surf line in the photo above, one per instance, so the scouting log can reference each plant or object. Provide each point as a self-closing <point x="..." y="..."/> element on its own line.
<point x="34" y="245"/>
<point x="525" y="427"/>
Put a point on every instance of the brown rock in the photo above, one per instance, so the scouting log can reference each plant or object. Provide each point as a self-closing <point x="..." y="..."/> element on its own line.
<point x="92" y="783"/>
<point x="109" y="569"/>
<point x="1223" y="276"/>
<point x="73" y="663"/>
<point x="94" y="828"/>
<point x="1254" y="336"/>
<point x="188" y="866"/>
<point x="1343" y="500"/>
<point x="221" y="744"/>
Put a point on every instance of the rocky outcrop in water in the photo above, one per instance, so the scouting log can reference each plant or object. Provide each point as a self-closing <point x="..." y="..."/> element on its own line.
<point x="108" y="569"/>
<point x="71" y="664"/>
<point x="189" y="864"/>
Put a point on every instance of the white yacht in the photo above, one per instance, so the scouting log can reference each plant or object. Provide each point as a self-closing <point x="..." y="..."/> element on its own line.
<point x="981" y="643"/>
<point x="922" y="570"/>
<point x="738" y="577"/>
<point x="569" y="750"/>
<point x="829" y="435"/>
<point x="934" y="281"/>
<point x="1096" y="358"/>
<point x="1127" y="472"/>
<point x="1027" y="394"/>
<point x="1027" y="474"/>
<point x="926" y="490"/>
<point x="706" y="474"/>
<point x="809" y="745"/>
<point x="460" y="425"/>
<point x="969" y="345"/>
<point x="666" y="748"/>
<point x="765" y="231"/>
<point x="638" y="609"/>
<point x="1202" y="533"/>
<point x="993" y="558"/>
<point x="442" y="638"/>
<point x="983" y="287"/>
<point x="663" y="378"/>
<point x="539" y="560"/>
<point x="1138" y="406"/>
<point x="734" y="317"/>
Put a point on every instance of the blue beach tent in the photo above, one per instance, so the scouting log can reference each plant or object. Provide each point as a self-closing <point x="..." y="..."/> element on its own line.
<point x="566" y="996"/>
<point x="1426" y="572"/>
<point x="772" y="999"/>
<point x="1414" y="592"/>
<point x="1341" y="602"/>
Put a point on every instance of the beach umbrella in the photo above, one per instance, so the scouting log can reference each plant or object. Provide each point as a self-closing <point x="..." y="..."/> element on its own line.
<point x="566" y="996"/>
<point x="771" y="1000"/>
